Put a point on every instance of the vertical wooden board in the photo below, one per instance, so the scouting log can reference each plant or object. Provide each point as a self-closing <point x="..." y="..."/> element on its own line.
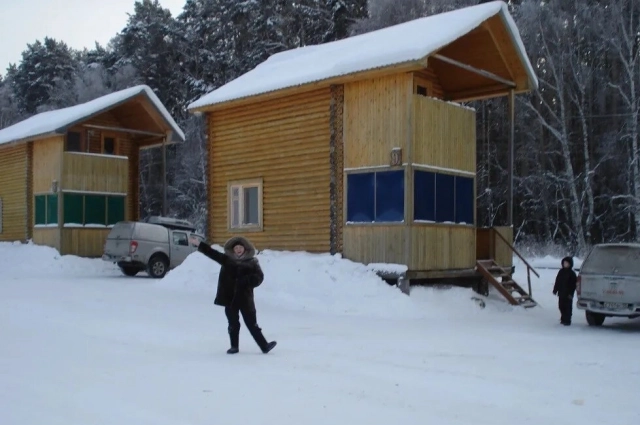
<point x="29" y="194"/>
<point x="13" y="192"/>
<point x="47" y="236"/>
<point x="94" y="173"/>
<point x="444" y="134"/>
<point x="83" y="242"/>
<point x="374" y="244"/>
<point x="47" y="163"/>
<point x="375" y="114"/>
<point x="284" y="142"/>
<point x="441" y="247"/>
<point x="503" y="252"/>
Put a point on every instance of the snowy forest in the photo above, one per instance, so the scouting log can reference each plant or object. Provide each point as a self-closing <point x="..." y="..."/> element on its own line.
<point x="577" y="165"/>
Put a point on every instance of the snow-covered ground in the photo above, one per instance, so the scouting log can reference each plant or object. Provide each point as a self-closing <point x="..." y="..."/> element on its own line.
<point x="82" y="344"/>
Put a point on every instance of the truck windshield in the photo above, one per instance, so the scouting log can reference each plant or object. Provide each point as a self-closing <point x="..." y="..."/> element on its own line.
<point x="619" y="260"/>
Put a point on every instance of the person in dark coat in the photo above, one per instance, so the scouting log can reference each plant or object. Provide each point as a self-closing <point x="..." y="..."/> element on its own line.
<point x="564" y="288"/>
<point x="240" y="274"/>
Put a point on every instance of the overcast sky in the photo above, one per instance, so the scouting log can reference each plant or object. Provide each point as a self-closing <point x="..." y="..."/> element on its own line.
<point x="79" y="23"/>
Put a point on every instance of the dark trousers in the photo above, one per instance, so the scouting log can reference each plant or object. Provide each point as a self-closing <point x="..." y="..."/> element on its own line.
<point x="565" y="304"/>
<point x="248" y="311"/>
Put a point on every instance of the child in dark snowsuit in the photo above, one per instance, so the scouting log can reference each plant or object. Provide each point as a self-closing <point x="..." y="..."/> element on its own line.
<point x="564" y="288"/>
<point x="239" y="275"/>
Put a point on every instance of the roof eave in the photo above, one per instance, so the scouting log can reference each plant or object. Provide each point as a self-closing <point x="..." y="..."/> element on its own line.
<point x="533" y="79"/>
<point x="406" y="66"/>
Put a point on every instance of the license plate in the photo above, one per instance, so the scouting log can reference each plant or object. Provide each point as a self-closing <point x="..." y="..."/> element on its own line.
<point x="614" y="306"/>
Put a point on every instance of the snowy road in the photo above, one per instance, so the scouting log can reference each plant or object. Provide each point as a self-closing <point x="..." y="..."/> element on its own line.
<point x="82" y="345"/>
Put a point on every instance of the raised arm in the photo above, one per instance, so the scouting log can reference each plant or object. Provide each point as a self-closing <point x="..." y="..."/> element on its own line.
<point x="216" y="256"/>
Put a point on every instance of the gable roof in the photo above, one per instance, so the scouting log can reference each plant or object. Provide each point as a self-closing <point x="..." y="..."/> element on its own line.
<point x="58" y="121"/>
<point x="409" y="42"/>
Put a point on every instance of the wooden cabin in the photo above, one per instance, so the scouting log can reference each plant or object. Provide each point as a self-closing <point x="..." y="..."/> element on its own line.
<point x="362" y="147"/>
<point x="67" y="176"/>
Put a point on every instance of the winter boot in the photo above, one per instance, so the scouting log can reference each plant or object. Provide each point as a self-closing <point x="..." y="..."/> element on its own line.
<point x="270" y="346"/>
<point x="256" y="333"/>
<point x="234" y="337"/>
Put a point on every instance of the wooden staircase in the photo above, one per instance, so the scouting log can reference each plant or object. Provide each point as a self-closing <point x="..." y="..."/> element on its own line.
<point x="502" y="280"/>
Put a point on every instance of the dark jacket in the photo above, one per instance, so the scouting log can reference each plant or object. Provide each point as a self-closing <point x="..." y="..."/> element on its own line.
<point x="565" y="280"/>
<point x="238" y="276"/>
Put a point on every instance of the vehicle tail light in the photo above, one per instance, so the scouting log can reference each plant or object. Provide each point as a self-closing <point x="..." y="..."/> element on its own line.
<point x="132" y="247"/>
<point x="578" y="284"/>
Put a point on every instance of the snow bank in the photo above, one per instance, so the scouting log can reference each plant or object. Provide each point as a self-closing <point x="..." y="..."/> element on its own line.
<point x="546" y="262"/>
<point x="324" y="283"/>
<point x="18" y="259"/>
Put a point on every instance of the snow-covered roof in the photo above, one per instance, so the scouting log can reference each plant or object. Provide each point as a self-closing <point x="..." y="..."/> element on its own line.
<point x="408" y="42"/>
<point x="58" y="121"/>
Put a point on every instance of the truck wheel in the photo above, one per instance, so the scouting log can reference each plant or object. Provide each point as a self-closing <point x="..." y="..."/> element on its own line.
<point x="594" y="319"/>
<point x="157" y="266"/>
<point x="129" y="270"/>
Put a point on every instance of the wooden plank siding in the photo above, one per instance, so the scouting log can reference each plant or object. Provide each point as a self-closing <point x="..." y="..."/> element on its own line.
<point x="375" y="244"/>
<point x="13" y="192"/>
<point x="94" y="173"/>
<point x="444" y="138"/>
<point x="375" y="119"/>
<point x="47" y="167"/>
<point x="444" y="134"/>
<point x="47" y="163"/>
<point x="286" y="143"/>
<point x="442" y="247"/>
<point x="503" y="253"/>
<point x="84" y="242"/>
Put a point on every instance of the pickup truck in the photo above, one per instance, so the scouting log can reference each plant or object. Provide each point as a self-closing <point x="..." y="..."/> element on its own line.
<point x="147" y="246"/>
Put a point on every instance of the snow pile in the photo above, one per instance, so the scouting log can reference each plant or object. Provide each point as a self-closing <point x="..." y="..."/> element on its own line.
<point x="324" y="283"/>
<point x="18" y="259"/>
<point x="302" y="281"/>
<point x="406" y="42"/>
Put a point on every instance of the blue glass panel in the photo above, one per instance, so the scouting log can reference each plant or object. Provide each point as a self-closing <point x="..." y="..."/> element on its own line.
<point x="360" y="197"/>
<point x="424" y="196"/>
<point x="464" y="200"/>
<point x="445" y="199"/>
<point x="390" y="196"/>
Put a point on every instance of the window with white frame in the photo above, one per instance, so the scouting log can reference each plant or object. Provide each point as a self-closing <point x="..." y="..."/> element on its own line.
<point x="245" y="205"/>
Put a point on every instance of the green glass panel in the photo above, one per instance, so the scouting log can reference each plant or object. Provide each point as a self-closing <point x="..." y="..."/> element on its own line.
<point x="41" y="209"/>
<point x="52" y="209"/>
<point x="115" y="209"/>
<point x="73" y="210"/>
<point x="95" y="209"/>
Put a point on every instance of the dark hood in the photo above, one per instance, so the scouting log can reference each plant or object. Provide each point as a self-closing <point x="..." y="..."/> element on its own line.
<point x="250" y="250"/>
<point x="567" y="259"/>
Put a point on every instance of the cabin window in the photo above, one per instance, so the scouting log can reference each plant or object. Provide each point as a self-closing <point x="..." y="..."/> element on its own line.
<point x="109" y="146"/>
<point x="93" y="209"/>
<point x="421" y="90"/>
<point x="46" y="210"/>
<point x="245" y="205"/>
<point x="443" y="198"/>
<point x="375" y="197"/>
<point x="74" y="142"/>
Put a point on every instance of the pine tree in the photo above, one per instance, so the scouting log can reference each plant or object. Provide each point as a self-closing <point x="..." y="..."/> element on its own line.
<point x="44" y="69"/>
